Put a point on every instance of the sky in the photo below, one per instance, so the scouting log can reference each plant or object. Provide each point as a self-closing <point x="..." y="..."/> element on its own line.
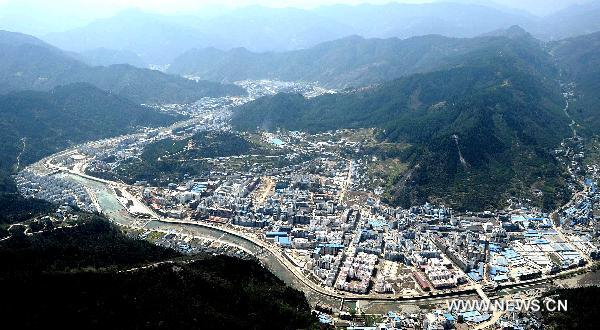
<point x="59" y="15"/>
<point x="171" y="6"/>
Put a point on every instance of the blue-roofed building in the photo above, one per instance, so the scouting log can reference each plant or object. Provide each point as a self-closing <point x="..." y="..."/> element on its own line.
<point x="540" y="241"/>
<point x="501" y="261"/>
<point x="510" y="254"/>
<point x="449" y="317"/>
<point x="276" y="141"/>
<point x="376" y="224"/>
<point x="517" y="218"/>
<point x="330" y="248"/>
<point x="480" y="318"/>
<point x="500" y="278"/>
<point x="199" y="188"/>
<point x="475" y="276"/>
<point x="501" y="269"/>
<point x="535" y="219"/>
<point x="532" y="234"/>
<point x="284" y="241"/>
<point x="475" y="316"/>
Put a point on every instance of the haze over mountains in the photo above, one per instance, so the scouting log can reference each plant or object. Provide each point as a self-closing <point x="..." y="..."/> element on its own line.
<point x="351" y="61"/>
<point x="50" y="100"/>
<point x="29" y="63"/>
<point x="158" y="39"/>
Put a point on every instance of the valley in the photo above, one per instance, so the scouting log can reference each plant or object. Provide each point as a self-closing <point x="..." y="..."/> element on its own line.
<point x="245" y="203"/>
<point x="333" y="165"/>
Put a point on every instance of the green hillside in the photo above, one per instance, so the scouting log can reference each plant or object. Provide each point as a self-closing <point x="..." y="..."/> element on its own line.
<point x="36" y="124"/>
<point x="170" y="160"/>
<point x="503" y="113"/>
<point x="580" y="59"/>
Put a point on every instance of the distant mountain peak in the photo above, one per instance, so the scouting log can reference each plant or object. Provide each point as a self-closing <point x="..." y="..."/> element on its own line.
<point x="17" y="38"/>
<point x="512" y="32"/>
<point x="517" y="30"/>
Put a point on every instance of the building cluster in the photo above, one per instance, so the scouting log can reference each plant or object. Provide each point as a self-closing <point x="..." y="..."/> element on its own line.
<point x="355" y="243"/>
<point x="259" y="88"/>
<point x="54" y="188"/>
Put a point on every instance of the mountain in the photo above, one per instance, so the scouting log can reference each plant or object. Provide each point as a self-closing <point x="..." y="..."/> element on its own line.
<point x="570" y="22"/>
<point x="155" y="38"/>
<point x="27" y="63"/>
<point x="36" y="124"/>
<point x="17" y="39"/>
<point x="580" y="59"/>
<point x="106" y="279"/>
<point x="108" y="57"/>
<point x="272" y="29"/>
<point x="481" y="130"/>
<point x="159" y="39"/>
<point x="352" y="61"/>
<point x="407" y="20"/>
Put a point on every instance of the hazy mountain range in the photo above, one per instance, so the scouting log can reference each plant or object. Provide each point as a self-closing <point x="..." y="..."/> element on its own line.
<point x="158" y="39"/>
<point x="352" y="61"/>
<point x="27" y="63"/>
<point x="49" y="99"/>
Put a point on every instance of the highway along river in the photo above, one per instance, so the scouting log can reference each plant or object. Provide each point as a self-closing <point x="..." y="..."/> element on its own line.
<point x="111" y="208"/>
<point x="108" y="202"/>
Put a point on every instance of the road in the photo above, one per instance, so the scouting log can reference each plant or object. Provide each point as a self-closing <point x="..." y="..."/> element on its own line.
<point x="24" y="141"/>
<point x="268" y="189"/>
<point x="347" y="182"/>
<point x="307" y="285"/>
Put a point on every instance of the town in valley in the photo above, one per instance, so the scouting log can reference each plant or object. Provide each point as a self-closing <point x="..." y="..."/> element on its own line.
<point x="312" y="208"/>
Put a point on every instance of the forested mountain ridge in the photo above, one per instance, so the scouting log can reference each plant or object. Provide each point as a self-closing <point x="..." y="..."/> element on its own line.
<point x="51" y="121"/>
<point x="579" y="58"/>
<point x="27" y="63"/>
<point x="482" y="130"/>
<point x="36" y="124"/>
<point x="82" y="271"/>
<point x="352" y="61"/>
